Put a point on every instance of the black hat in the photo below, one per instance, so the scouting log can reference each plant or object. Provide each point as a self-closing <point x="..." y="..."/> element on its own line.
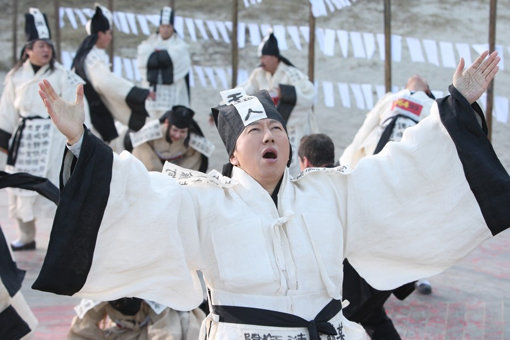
<point x="233" y="118"/>
<point x="269" y="46"/>
<point x="180" y="116"/>
<point x="101" y="20"/>
<point x="36" y="25"/>
<point x="166" y="16"/>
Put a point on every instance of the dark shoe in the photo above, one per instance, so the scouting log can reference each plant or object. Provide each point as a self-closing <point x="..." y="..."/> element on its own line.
<point x="16" y="246"/>
<point x="424" y="287"/>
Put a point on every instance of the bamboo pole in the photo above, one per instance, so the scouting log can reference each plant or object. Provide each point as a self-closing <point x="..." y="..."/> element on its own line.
<point x="235" y="48"/>
<point x="57" y="38"/>
<point x="14" y="7"/>
<point x="311" y="45"/>
<point x="492" y="46"/>
<point x="111" y="48"/>
<point x="387" y="45"/>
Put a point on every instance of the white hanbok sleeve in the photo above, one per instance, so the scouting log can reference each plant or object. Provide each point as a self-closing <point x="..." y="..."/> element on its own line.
<point x="121" y="231"/>
<point x="422" y="204"/>
<point x="9" y="116"/>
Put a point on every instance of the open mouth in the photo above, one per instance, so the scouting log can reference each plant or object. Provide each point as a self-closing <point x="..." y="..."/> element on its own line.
<point x="269" y="154"/>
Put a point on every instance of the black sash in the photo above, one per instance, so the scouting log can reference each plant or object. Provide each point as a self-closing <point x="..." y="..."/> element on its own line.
<point x="388" y="130"/>
<point x="12" y="155"/>
<point x="264" y="317"/>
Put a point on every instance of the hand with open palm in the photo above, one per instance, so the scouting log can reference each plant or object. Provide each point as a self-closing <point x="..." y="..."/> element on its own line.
<point x="67" y="117"/>
<point x="475" y="80"/>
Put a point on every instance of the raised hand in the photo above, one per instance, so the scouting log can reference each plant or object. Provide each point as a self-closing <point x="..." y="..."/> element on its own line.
<point x="474" y="81"/>
<point x="67" y="117"/>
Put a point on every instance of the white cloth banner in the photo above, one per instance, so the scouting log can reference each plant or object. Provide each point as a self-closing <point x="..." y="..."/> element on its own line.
<point x="211" y="25"/>
<point x="329" y="97"/>
<point x="343" y="39"/>
<point x="201" y="144"/>
<point x="279" y="33"/>
<point x="70" y="16"/>
<point x="431" y="51"/>
<point x="142" y="21"/>
<point x="201" y="28"/>
<point x="131" y="19"/>
<point x="294" y="36"/>
<point x="343" y="89"/>
<point x="179" y="26"/>
<point x="254" y="34"/>
<point x="357" y="45"/>
<point x="367" y="93"/>
<point x="396" y="48"/>
<point x="128" y="68"/>
<point x="305" y="31"/>
<point x="329" y="42"/>
<point x="415" y="50"/>
<point x="380" y="90"/>
<point x="447" y="54"/>
<point x="117" y="66"/>
<point x="200" y="74"/>
<point x="220" y="71"/>
<point x="153" y="19"/>
<point x="191" y="28"/>
<point x="61" y="13"/>
<point x="319" y="37"/>
<point x="222" y="28"/>
<point x="210" y="74"/>
<point x="358" y="96"/>
<point x="241" y="35"/>
<point x="369" y="41"/>
<point x="464" y="51"/>
<point x="81" y="16"/>
<point x="501" y="109"/>
<point x="380" y="43"/>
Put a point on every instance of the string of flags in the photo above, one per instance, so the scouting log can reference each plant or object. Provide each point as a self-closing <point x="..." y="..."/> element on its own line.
<point x="363" y="45"/>
<point x="348" y="95"/>
<point x="319" y="7"/>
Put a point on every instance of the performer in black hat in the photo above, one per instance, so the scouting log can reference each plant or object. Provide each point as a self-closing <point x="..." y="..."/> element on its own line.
<point x="31" y="142"/>
<point x="110" y="97"/>
<point x="270" y="247"/>
<point x="292" y="93"/>
<point x="163" y="62"/>
<point x="181" y="142"/>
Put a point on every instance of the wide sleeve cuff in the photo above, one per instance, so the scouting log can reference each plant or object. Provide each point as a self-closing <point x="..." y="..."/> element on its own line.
<point x="135" y="99"/>
<point x="487" y="178"/>
<point x="79" y="214"/>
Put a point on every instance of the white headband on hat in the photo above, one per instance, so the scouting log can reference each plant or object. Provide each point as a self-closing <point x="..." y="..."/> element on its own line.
<point x="166" y="14"/>
<point x="40" y="24"/>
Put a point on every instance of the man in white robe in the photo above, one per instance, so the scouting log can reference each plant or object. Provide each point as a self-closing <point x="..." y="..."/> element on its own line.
<point x="271" y="248"/>
<point x="111" y="98"/>
<point x="292" y="93"/>
<point x="163" y="61"/>
<point x="32" y="143"/>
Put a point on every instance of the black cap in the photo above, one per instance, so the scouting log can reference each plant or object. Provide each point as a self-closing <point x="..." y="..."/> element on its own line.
<point x="166" y="16"/>
<point x="180" y="116"/>
<point x="100" y="21"/>
<point x="36" y="25"/>
<point x="269" y="46"/>
<point x="233" y="118"/>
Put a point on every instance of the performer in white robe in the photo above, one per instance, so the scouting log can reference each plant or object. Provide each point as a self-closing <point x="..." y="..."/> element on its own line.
<point x="176" y="142"/>
<point x="271" y="248"/>
<point x="163" y="62"/>
<point x="291" y="90"/>
<point x="111" y="98"/>
<point x="394" y="113"/>
<point x="33" y="144"/>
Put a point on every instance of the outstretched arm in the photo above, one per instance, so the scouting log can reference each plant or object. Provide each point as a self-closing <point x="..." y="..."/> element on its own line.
<point x="474" y="81"/>
<point x="67" y="117"/>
